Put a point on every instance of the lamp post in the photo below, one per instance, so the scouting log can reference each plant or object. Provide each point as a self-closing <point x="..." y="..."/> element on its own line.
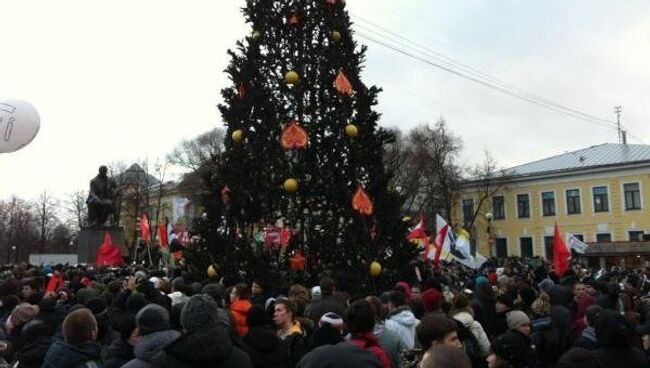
<point x="488" y="217"/>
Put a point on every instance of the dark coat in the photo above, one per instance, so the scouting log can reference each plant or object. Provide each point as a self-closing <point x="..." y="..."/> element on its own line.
<point x="265" y="348"/>
<point x="64" y="355"/>
<point x="622" y="357"/>
<point x="342" y="355"/>
<point x="32" y="354"/>
<point x="587" y="340"/>
<point x="546" y="340"/>
<point x="117" y="354"/>
<point x="208" y="347"/>
<point x="315" y="310"/>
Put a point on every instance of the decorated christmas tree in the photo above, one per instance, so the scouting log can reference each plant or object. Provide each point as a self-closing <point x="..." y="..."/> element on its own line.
<point x="302" y="186"/>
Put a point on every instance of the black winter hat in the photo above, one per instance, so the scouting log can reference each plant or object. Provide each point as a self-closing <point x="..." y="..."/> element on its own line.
<point x="256" y="316"/>
<point x="152" y="318"/>
<point x="506" y="300"/>
<point x="200" y="311"/>
<point x="96" y="305"/>
<point x="509" y="347"/>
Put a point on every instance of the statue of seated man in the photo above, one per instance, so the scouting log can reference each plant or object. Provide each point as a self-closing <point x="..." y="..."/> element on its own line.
<point x="101" y="198"/>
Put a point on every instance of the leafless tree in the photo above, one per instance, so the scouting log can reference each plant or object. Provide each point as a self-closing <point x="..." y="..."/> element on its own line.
<point x="19" y="232"/>
<point x="45" y="207"/>
<point x="194" y="154"/>
<point x="427" y="172"/>
<point x="486" y="180"/>
<point x="75" y="208"/>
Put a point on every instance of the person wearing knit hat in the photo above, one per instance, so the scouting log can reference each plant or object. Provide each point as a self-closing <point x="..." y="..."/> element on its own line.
<point x="262" y="344"/>
<point x="333" y="320"/>
<point x="22" y="313"/>
<point x="508" y="351"/>
<point x="432" y="300"/>
<point x="519" y="321"/>
<point x="545" y="336"/>
<point x="155" y="331"/>
<point x="316" y="293"/>
<point x="481" y="280"/>
<point x="204" y="342"/>
<point x="503" y="306"/>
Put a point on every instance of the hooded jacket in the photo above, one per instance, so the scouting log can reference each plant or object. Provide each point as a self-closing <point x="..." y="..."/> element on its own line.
<point x="117" y="354"/>
<point x="148" y="346"/>
<point x="403" y="322"/>
<point x="265" y="348"/>
<point x="587" y="339"/>
<point x="477" y="330"/>
<point x="65" y="355"/>
<point x="239" y="309"/>
<point x="207" y="347"/>
<point x="390" y="342"/>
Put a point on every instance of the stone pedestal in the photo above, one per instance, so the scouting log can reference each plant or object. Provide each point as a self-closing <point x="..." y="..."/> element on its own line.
<point x="90" y="238"/>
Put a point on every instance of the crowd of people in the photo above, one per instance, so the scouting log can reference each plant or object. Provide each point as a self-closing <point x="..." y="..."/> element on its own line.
<point x="509" y="314"/>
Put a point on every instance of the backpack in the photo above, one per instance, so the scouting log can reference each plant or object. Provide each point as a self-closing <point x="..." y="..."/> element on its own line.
<point x="471" y="345"/>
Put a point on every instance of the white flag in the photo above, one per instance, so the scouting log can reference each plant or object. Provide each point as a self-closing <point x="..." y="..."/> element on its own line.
<point x="576" y="244"/>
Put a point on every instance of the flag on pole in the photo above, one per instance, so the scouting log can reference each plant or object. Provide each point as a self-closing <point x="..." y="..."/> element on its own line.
<point x="162" y="233"/>
<point x="561" y="254"/>
<point x="145" y="232"/>
<point x="418" y="232"/>
<point x="576" y="244"/>
<point x="443" y="239"/>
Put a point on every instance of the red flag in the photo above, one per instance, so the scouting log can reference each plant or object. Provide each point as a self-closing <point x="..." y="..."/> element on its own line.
<point x="162" y="235"/>
<point x="561" y="254"/>
<point x="419" y="231"/>
<point x="145" y="232"/>
<point x="109" y="254"/>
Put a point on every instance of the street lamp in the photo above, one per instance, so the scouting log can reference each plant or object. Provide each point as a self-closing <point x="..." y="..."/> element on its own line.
<point x="489" y="216"/>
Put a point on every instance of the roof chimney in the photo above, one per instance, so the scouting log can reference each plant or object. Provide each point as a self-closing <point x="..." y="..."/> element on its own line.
<point x="624" y="136"/>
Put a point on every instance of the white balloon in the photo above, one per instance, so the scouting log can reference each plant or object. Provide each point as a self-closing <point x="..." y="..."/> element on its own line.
<point x="19" y="124"/>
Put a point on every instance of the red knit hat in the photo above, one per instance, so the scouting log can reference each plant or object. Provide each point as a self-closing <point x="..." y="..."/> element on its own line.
<point x="493" y="278"/>
<point x="432" y="300"/>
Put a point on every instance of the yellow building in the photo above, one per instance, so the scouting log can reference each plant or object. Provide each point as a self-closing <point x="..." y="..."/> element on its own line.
<point x="600" y="194"/>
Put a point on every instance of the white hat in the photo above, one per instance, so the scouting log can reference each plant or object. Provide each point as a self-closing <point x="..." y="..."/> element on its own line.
<point x="316" y="294"/>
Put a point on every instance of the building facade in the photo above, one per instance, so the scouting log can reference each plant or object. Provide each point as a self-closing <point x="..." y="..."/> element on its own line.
<point x="600" y="194"/>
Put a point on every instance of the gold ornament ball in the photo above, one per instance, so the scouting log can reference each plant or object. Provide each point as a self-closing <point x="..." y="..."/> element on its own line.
<point x="212" y="271"/>
<point x="292" y="77"/>
<point x="351" y="130"/>
<point x="290" y="185"/>
<point x="336" y="36"/>
<point x="255" y="35"/>
<point x="375" y="269"/>
<point x="237" y="136"/>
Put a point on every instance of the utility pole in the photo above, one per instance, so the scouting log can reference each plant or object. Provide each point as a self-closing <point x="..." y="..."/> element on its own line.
<point x="617" y="111"/>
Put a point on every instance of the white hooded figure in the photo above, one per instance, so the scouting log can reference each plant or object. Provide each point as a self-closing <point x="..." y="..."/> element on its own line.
<point x="401" y="319"/>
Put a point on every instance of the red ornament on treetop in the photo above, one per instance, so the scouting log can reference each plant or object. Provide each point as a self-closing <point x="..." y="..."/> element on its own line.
<point x="361" y="201"/>
<point x="294" y="136"/>
<point x="343" y="84"/>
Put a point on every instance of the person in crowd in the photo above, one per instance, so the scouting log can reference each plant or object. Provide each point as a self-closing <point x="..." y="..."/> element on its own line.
<point x="361" y="350"/>
<point x="239" y="305"/>
<point x="56" y="280"/>
<point x="388" y="340"/>
<point x="437" y="329"/>
<point x="300" y="295"/>
<point x="432" y="301"/>
<point x="179" y="291"/>
<point x="587" y="339"/>
<point x="463" y="313"/>
<point x="262" y="343"/>
<point x="290" y="330"/>
<point x="328" y="332"/>
<point x="204" y="341"/>
<point x="545" y="336"/>
<point x="503" y="305"/>
<point x="35" y="341"/>
<point x="31" y="290"/>
<point x="154" y="332"/>
<point x="326" y="303"/>
<point x="483" y="305"/>
<point x="78" y="349"/>
<point x="615" y="335"/>
<point x="579" y="358"/>
<point x="259" y="292"/>
<point x="120" y="351"/>
<point x="509" y="351"/>
<point x="400" y="319"/>
<point x="445" y="356"/>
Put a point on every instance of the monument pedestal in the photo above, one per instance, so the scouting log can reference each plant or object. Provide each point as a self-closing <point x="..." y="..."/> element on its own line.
<point x="90" y="238"/>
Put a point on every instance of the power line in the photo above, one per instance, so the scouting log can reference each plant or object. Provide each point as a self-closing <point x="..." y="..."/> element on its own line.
<point x="502" y="89"/>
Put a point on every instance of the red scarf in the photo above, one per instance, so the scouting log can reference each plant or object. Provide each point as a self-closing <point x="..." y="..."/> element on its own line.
<point x="368" y="341"/>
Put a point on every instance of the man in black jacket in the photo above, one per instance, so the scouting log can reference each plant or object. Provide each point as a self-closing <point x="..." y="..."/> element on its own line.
<point x="204" y="343"/>
<point x="327" y="304"/>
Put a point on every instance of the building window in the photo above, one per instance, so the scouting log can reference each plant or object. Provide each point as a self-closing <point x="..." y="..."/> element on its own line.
<point x="548" y="203"/>
<point x="501" y="247"/>
<point x="526" y="247"/>
<point x="498" y="208"/>
<point x="601" y="202"/>
<point x="523" y="206"/>
<point x="548" y="247"/>
<point x="635" y="235"/>
<point x="468" y="210"/>
<point x="604" y="238"/>
<point x="579" y="237"/>
<point x="573" y="201"/>
<point x="632" y="196"/>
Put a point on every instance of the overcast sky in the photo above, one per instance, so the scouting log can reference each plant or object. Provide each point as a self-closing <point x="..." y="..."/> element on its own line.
<point x="126" y="80"/>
